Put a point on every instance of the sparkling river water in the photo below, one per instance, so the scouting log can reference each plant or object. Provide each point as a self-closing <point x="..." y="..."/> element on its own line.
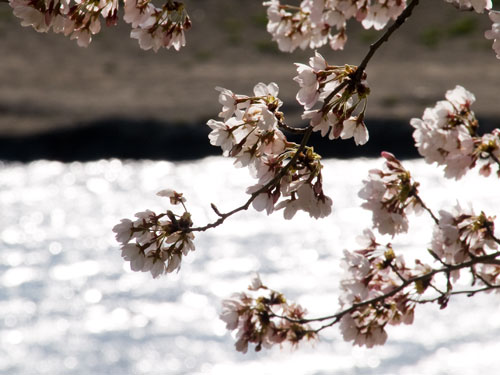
<point x="70" y="305"/>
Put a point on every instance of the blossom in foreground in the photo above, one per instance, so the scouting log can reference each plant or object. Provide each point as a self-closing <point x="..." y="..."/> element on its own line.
<point x="154" y="242"/>
<point x="461" y="235"/>
<point x="318" y="22"/>
<point x="80" y="19"/>
<point x="447" y="135"/>
<point x="155" y="27"/>
<point x="315" y="23"/>
<point x="336" y="117"/>
<point x="390" y="194"/>
<point x="370" y="273"/>
<point x="443" y="135"/>
<point x="250" y="133"/>
<point x="264" y="318"/>
<point x="354" y="127"/>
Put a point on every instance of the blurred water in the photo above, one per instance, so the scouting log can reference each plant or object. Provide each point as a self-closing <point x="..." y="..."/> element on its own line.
<point x="69" y="305"/>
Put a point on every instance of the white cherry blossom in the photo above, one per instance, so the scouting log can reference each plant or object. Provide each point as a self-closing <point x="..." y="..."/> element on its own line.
<point x="355" y="128"/>
<point x="443" y="135"/>
<point x="478" y="5"/>
<point x="494" y="33"/>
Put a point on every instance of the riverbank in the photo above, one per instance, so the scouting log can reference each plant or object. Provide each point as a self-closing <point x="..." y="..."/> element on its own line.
<point x="48" y="83"/>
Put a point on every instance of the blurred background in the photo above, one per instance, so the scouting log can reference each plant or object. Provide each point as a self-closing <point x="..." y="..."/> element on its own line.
<point x="112" y="99"/>
<point x="70" y="305"/>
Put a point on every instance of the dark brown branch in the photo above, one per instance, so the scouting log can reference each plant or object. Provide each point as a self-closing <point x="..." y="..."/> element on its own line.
<point x="358" y="74"/>
<point x="384" y="38"/>
<point x="308" y="130"/>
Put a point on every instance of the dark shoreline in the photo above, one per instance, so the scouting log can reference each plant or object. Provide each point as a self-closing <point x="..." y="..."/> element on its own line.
<point x="146" y="139"/>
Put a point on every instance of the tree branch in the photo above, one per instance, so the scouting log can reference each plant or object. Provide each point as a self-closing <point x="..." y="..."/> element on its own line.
<point x="358" y="74"/>
<point x="384" y="38"/>
<point x="485" y="259"/>
<point x="273" y="182"/>
<point x="291" y="129"/>
<point x="417" y="197"/>
<point x="308" y="130"/>
<point x="493" y="156"/>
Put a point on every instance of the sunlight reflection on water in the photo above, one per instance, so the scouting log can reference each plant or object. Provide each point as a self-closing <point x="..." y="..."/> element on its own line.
<point x="69" y="305"/>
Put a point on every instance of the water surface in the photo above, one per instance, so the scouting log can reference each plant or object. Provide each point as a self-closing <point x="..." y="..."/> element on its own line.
<point x="70" y="305"/>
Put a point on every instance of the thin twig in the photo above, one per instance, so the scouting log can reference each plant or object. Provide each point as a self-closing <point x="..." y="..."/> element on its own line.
<point x="485" y="259"/>
<point x="384" y="38"/>
<point x="494" y="157"/>
<point x="291" y="129"/>
<point x="273" y="182"/>
<point x="469" y="293"/>
<point x="358" y="74"/>
<point x="436" y="220"/>
<point x="333" y="93"/>
<point x="308" y="130"/>
<point x="395" y="270"/>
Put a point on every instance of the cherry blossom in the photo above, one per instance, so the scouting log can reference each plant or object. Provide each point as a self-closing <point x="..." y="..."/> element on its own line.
<point x="488" y="151"/>
<point x="390" y="193"/>
<point x="317" y="82"/>
<point x="309" y="80"/>
<point x="478" y="5"/>
<point x="379" y="13"/>
<point x="139" y="13"/>
<point x="80" y="19"/>
<point x="461" y="234"/>
<point x="175" y="197"/>
<point x="443" y="136"/>
<point x="154" y="27"/>
<point x="318" y="22"/>
<point x="29" y="15"/>
<point x="370" y="273"/>
<point x="447" y="135"/>
<point x="494" y="33"/>
<point x="250" y="133"/>
<point x="354" y="127"/>
<point x="264" y="318"/>
<point x="160" y="240"/>
<point x="378" y="288"/>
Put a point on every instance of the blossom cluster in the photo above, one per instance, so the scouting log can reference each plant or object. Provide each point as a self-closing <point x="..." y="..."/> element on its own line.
<point x="250" y="133"/>
<point x="157" y="27"/>
<point x="461" y="235"/>
<point x="156" y="242"/>
<point x="317" y="22"/>
<point x="447" y="135"/>
<point x="494" y="33"/>
<point x="154" y="27"/>
<point x="478" y="5"/>
<point x="371" y="273"/>
<point x="390" y="194"/>
<point x="264" y="318"/>
<point x="337" y="116"/>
